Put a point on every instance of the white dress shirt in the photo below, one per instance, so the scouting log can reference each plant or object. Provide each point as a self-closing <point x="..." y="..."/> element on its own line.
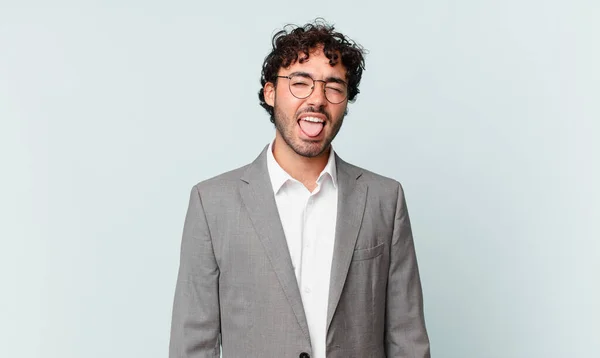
<point x="308" y="221"/>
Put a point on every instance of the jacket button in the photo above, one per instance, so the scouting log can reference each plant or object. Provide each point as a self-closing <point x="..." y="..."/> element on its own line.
<point x="304" y="355"/>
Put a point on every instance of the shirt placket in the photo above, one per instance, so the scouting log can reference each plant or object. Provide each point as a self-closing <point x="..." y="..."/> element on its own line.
<point x="308" y="246"/>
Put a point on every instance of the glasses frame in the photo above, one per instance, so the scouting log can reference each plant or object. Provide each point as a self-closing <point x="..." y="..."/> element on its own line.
<point x="313" y="88"/>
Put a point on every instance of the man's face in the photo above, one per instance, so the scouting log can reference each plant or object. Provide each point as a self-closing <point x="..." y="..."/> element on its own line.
<point x="307" y="125"/>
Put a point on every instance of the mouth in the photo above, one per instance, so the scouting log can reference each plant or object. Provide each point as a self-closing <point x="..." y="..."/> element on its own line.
<point x="311" y="125"/>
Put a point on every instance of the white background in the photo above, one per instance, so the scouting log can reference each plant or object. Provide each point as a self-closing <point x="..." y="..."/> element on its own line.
<point x="486" y="111"/>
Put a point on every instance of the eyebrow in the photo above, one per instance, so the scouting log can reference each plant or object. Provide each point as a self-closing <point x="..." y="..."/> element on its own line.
<point x="308" y="75"/>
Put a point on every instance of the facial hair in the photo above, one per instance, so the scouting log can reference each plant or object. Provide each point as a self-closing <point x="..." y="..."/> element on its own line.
<point x="287" y="128"/>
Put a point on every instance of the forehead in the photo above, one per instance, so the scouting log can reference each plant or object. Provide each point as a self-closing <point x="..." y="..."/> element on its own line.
<point x="317" y="65"/>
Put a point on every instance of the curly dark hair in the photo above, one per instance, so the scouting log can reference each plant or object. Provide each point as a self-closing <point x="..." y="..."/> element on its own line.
<point x="294" y="40"/>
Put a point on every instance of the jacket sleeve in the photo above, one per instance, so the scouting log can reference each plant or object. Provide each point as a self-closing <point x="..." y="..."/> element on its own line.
<point x="195" y="327"/>
<point x="405" y="332"/>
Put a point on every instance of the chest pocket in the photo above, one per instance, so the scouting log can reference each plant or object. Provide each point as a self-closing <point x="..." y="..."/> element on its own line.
<point x="367" y="254"/>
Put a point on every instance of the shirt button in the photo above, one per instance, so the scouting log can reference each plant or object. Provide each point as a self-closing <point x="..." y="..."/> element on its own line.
<point x="307" y="290"/>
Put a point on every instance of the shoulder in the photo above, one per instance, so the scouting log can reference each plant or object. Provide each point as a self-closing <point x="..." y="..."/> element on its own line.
<point x="375" y="182"/>
<point x="220" y="184"/>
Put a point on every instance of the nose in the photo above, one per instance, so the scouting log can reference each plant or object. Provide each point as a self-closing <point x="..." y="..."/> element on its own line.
<point x="317" y="97"/>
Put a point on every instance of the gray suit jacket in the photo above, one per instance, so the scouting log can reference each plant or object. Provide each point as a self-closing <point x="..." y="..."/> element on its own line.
<point x="237" y="289"/>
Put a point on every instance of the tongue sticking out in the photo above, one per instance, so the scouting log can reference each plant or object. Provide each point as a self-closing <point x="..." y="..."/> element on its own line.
<point x="311" y="129"/>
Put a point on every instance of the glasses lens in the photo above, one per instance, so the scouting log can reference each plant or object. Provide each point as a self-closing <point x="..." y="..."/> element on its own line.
<point x="301" y="86"/>
<point x="335" y="92"/>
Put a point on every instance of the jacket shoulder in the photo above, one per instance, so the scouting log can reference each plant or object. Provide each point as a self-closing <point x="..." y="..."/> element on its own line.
<point x="221" y="183"/>
<point x="375" y="180"/>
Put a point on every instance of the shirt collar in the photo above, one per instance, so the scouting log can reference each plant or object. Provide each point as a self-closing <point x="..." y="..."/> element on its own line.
<point x="279" y="176"/>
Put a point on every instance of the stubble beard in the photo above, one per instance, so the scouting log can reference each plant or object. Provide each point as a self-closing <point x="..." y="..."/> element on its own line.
<point x="287" y="127"/>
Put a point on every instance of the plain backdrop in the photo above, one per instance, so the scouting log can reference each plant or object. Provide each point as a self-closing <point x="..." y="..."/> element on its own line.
<point x="486" y="111"/>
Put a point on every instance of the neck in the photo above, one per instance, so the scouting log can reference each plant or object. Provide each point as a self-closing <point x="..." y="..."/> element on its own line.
<point x="305" y="170"/>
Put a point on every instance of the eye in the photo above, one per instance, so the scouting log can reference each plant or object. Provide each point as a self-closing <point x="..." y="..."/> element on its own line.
<point x="300" y="83"/>
<point x="335" y="88"/>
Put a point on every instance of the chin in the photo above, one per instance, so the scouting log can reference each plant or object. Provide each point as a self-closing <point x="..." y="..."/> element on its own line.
<point x="311" y="150"/>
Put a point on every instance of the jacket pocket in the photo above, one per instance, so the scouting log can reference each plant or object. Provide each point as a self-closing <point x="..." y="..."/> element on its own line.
<point x="367" y="254"/>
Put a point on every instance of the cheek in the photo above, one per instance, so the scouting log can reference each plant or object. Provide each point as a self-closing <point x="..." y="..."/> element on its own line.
<point x="339" y="112"/>
<point x="287" y="104"/>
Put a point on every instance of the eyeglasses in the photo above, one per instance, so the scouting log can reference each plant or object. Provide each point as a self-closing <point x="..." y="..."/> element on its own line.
<point x="302" y="86"/>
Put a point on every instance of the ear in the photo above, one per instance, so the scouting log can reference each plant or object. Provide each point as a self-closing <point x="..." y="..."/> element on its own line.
<point x="269" y="92"/>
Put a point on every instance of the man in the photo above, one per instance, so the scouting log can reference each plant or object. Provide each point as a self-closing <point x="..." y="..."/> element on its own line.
<point x="300" y="254"/>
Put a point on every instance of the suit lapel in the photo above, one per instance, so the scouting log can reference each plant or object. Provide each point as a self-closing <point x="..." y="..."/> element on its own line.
<point x="351" y="206"/>
<point x="258" y="197"/>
